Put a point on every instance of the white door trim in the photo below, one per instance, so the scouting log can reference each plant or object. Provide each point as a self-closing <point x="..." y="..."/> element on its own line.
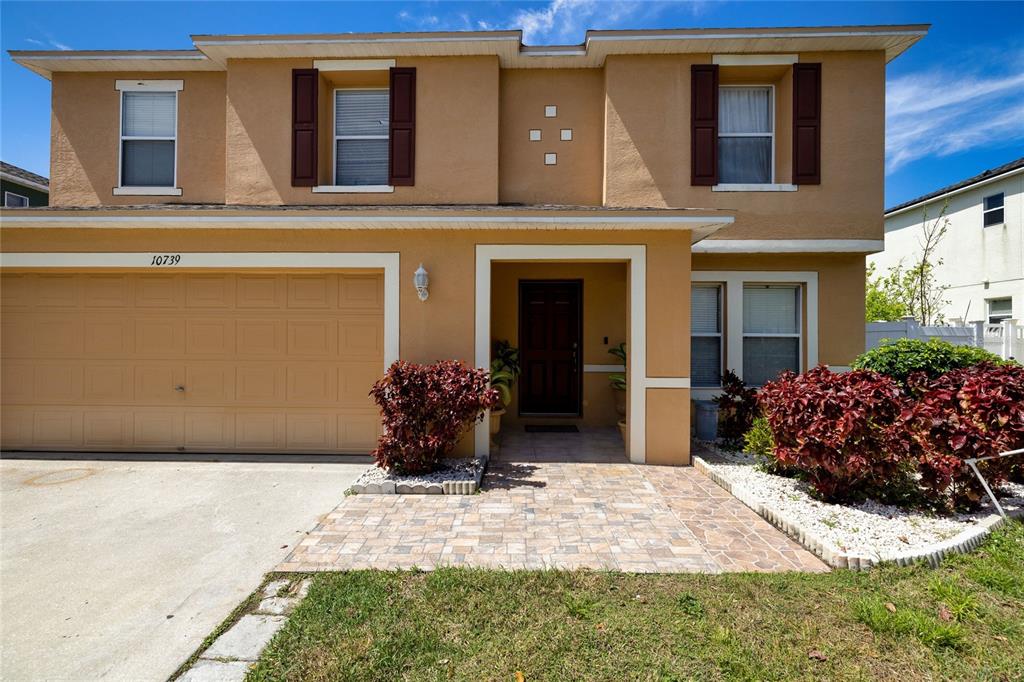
<point x="388" y="262"/>
<point x="633" y="254"/>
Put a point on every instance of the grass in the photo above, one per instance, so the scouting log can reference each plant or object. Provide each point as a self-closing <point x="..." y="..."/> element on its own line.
<point x="964" y="620"/>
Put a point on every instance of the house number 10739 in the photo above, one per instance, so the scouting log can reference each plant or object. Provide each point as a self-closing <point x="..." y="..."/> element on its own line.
<point x="166" y="259"/>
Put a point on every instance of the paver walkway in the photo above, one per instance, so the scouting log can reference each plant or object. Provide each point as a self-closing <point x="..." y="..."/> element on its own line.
<point x="538" y="510"/>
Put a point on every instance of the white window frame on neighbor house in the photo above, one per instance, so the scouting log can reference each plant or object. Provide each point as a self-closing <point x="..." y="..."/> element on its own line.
<point x="733" y="282"/>
<point x="720" y="334"/>
<point x="999" y="317"/>
<point x="771" y="185"/>
<point x="335" y="137"/>
<point x="7" y="200"/>
<point x="985" y="211"/>
<point x="165" y="86"/>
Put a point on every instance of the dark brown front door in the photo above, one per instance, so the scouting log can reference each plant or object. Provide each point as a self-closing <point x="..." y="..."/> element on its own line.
<point x="549" y="347"/>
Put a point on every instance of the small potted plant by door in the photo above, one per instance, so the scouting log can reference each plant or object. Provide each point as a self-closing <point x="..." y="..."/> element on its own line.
<point x="504" y="372"/>
<point x="618" y="384"/>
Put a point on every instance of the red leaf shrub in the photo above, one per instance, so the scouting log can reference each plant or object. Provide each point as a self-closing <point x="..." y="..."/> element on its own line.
<point x="976" y="411"/>
<point x="737" y="408"/>
<point x="835" y="428"/>
<point x="426" y="409"/>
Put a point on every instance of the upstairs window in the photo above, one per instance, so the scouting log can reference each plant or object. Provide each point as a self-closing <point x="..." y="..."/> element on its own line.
<point x="706" y="334"/>
<point x="12" y="200"/>
<point x="999" y="309"/>
<point x="361" y="137"/>
<point x="746" y="135"/>
<point x="149" y="122"/>
<point x="771" y="331"/>
<point x="993" y="210"/>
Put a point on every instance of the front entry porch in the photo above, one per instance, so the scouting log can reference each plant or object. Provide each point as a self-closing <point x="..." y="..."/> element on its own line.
<point x="589" y="444"/>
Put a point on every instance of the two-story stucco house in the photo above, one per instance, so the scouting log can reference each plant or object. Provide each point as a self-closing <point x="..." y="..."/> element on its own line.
<point x="229" y="259"/>
<point x="982" y="252"/>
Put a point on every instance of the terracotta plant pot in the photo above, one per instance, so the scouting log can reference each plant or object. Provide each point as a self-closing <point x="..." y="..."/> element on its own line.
<point x="624" y="430"/>
<point x="620" y="402"/>
<point x="495" y="423"/>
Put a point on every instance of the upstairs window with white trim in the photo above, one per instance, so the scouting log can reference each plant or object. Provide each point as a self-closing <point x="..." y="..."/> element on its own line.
<point x="361" y="136"/>
<point x="746" y="135"/>
<point x="706" y="334"/>
<point x="12" y="200"/>
<point x="771" y="331"/>
<point x="999" y="309"/>
<point x="149" y="126"/>
<point x="992" y="210"/>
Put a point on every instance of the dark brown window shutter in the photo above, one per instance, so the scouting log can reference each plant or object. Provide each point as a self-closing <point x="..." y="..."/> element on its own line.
<point x="402" y="149"/>
<point x="806" y="124"/>
<point x="305" y="87"/>
<point x="704" y="124"/>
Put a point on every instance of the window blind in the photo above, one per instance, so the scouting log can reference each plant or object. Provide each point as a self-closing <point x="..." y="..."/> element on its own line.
<point x="705" y="309"/>
<point x="148" y="114"/>
<point x="361" y="112"/>
<point x="361" y="162"/>
<point x="770" y="310"/>
<point x="361" y="137"/>
<point x="765" y="357"/>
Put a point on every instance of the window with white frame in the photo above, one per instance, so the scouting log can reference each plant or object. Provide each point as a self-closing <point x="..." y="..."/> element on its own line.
<point x="746" y="134"/>
<point x="149" y="125"/>
<point x="999" y="309"/>
<point x="361" y="136"/>
<point x="771" y="331"/>
<point x="992" y="210"/>
<point x="706" y="335"/>
<point x="13" y="200"/>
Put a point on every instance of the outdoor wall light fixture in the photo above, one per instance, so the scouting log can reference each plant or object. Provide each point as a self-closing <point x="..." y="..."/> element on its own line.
<point x="421" y="280"/>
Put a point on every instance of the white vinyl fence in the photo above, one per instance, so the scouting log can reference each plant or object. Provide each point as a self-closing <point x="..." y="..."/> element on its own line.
<point x="1005" y="339"/>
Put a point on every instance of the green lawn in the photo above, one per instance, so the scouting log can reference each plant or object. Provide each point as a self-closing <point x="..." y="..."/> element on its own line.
<point x="962" y="621"/>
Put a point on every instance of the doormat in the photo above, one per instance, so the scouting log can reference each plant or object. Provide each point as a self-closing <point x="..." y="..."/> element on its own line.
<point x="551" y="428"/>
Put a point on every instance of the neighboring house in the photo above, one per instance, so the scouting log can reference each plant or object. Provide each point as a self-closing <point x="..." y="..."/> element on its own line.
<point x="229" y="260"/>
<point x="982" y="252"/>
<point x="20" y="189"/>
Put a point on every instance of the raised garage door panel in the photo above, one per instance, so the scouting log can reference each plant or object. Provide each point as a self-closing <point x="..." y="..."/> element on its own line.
<point x="279" y="363"/>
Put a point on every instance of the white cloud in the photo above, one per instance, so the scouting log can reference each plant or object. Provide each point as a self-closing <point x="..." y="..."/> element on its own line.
<point x="942" y="112"/>
<point x="49" y="42"/>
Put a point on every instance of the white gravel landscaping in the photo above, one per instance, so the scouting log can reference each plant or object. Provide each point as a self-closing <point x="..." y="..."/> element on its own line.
<point x="871" y="530"/>
<point x="452" y="477"/>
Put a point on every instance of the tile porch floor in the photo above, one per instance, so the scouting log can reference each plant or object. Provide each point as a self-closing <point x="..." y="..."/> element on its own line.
<point x="556" y="500"/>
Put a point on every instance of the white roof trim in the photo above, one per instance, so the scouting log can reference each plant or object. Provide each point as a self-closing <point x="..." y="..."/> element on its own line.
<point x="22" y="181"/>
<point x="744" y="36"/>
<point x="755" y="59"/>
<point x="973" y="185"/>
<point x="355" y="41"/>
<point x="353" y="64"/>
<point x="789" y="246"/>
<point x="379" y="219"/>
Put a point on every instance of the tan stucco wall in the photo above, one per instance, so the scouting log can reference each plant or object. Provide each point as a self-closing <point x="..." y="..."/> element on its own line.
<point x="648" y="148"/>
<point x="85" y="132"/>
<point x="443" y="326"/>
<point x="840" y="295"/>
<point x="456" y="134"/>
<point x="576" y="177"/>
<point x="604" y="315"/>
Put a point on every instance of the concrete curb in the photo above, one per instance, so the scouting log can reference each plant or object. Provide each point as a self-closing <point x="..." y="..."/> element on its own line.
<point x="455" y="487"/>
<point x="837" y="558"/>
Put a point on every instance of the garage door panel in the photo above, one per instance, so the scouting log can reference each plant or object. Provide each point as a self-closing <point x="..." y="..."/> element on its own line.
<point x="210" y="337"/>
<point x="209" y="429"/>
<point x="111" y="428"/>
<point x="266" y="362"/>
<point x="259" y="338"/>
<point x="160" y="337"/>
<point x="57" y="428"/>
<point x="209" y="291"/>
<point x="159" y="291"/>
<point x="108" y="336"/>
<point x="57" y="382"/>
<point x="309" y="431"/>
<point x="311" y="384"/>
<point x="312" y="338"/>
<point x="360" y="292"/>
<point x="158" y="428"/>
<point x="57" y="336"/>
<point x="107" y="291"/>
<point x="259" y="431"/>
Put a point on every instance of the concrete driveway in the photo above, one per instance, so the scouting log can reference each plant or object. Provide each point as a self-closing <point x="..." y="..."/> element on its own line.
<point x="118" y="570"/>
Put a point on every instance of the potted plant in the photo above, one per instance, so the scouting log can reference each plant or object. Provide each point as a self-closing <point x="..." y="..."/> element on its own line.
<point x="618" y="384"/>
<point x="504" y="372"/>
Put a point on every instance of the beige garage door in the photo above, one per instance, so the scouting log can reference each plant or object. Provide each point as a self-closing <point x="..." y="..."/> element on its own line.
<point x="246" y="362"/>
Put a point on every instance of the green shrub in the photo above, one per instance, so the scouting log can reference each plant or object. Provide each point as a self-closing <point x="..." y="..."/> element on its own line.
<point x="901" y="357"/>
<point x="760" y="443"/>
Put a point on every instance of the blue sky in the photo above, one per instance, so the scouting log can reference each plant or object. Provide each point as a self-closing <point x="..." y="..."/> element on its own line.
<point x="955" y="102"/>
